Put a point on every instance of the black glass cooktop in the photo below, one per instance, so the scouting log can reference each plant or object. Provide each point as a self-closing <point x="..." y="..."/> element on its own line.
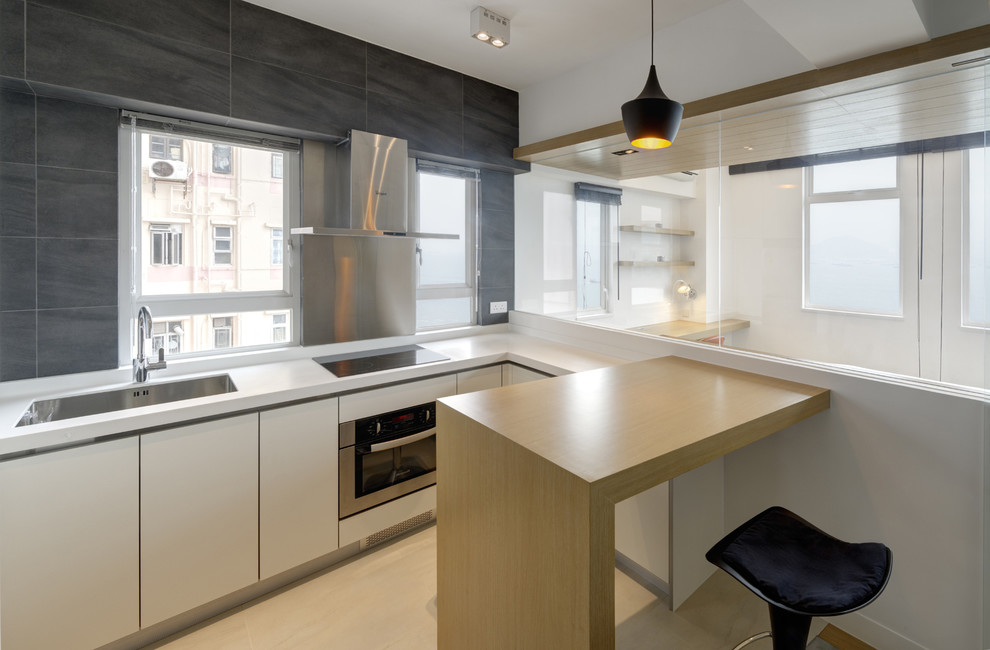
<point x="358" y="363"/>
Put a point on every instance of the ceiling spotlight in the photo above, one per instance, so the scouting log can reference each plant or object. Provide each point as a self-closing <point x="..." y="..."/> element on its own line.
<point x="625" y="152"/>
<point x="489" y="27"/>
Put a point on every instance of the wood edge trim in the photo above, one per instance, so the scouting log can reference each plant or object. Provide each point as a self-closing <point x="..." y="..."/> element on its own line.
<point x="842" y="639"/>
<point x="937" y="48"/>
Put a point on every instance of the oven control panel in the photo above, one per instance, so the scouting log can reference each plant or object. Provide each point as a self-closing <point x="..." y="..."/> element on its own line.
<point x="395" y="424"/>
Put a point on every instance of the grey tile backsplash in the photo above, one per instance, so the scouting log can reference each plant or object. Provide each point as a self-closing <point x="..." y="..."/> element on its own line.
<point x="223" y="58"/>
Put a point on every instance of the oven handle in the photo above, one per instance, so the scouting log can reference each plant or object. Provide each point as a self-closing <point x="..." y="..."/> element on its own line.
<point x="392" y="444"/>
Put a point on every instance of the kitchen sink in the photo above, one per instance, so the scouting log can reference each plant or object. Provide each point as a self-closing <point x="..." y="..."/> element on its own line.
<point x="74" y="406"/>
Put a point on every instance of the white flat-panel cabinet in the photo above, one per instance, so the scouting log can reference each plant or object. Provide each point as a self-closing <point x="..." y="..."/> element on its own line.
<point x="513" y="374"/>
<point x="199" y="514"/>
<point x="298" y="512"/>
<point x="69" y="547"/>
<point x="470" y="381"/>
<point x="390" y="398"/>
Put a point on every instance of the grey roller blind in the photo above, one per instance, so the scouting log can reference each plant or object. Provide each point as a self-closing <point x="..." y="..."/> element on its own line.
<point x="598" y="194"/>
<point x="444" y="169"/>
<point x="208" y="132"/>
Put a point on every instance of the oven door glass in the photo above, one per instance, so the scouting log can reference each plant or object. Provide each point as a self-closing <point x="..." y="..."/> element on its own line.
<point x="370" y="476"/>
<point x="377" y="470"/>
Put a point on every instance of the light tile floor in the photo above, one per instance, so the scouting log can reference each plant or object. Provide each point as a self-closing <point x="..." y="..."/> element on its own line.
<point x="385" y="599"/>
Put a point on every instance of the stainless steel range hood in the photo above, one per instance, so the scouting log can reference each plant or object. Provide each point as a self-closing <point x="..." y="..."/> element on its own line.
<point x="357" y="188"/>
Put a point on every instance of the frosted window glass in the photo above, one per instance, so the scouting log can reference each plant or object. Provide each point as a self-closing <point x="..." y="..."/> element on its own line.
<point x="879" y="173"/>
<point x="434" y="313"/>
<point x="978" y="267"/>
<point x="442" y="206"/>
<point x="854" y="256"/>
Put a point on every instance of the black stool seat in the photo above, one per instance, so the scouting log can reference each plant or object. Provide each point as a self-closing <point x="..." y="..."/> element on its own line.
<point x="800" y="570"/>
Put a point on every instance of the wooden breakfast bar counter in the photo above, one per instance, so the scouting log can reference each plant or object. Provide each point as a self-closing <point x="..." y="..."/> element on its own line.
<point x="529" y="476"/>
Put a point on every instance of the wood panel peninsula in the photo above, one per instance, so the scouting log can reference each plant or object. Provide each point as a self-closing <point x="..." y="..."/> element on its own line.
<point x="529" y="476"/>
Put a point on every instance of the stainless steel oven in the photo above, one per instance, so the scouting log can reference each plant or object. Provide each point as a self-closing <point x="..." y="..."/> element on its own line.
<point x="385" y="456"/>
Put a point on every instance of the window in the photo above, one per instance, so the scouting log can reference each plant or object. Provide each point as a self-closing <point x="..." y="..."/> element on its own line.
<point x="445" y="201"/>
<point x="165" y="148"/>
<point x="223" y="244"/>
<point x="597" y="212"/>
<point x="166" y="335"/>
<point x="209" y="255"/>
<point x="276" y="165"/>
<point x="277" y="246"/>
<point x="280" y="328"/>
<point x="223" y="332"/>
<point x="976" y="249"/>
<point x="221" y="159"/>
<point x="166" y="245"/>
<point x="852" y="247"/>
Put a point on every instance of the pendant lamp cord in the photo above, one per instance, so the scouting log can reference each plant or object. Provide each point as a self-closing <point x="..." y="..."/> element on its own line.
<point x="653" y="30"/>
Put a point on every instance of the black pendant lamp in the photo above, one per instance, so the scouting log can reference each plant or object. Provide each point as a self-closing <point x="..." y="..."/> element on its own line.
<point x="652" y="119"/>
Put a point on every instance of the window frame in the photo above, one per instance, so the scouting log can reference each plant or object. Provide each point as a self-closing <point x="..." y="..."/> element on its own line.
<point x="165" y="336"/>
<point x="172" y="306"/>
<point x="278" y="244"/>
<point x="472" y="211"/>
<point x="217" y="239"/>
<point x="853" y="196"/>
<point x="225" y="169"/>
<point x="166" y="143"/>
<point x="171" y="245"/>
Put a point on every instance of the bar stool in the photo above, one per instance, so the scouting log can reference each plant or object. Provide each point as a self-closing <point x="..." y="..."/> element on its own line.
<point x="801" y="572"/>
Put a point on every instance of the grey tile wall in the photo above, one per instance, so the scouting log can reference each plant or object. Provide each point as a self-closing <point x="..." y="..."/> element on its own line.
<point x="222" y="58"/>
<point x="497" y="244"/>
<point x="58" y="237"/>
<point x="12" y="38"/>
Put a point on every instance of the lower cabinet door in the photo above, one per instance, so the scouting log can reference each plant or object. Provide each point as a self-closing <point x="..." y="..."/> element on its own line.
<point x="480" y="379"/>
<point x="298" y="510"/>
<point x="69" y="547"/>
<point x="199" y="514"/>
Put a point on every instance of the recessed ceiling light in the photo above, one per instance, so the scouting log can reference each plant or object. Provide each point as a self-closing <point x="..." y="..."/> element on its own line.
<point x="748" y="148"/>
<point x="482" y="36"/>
<point x="624" y="152"/>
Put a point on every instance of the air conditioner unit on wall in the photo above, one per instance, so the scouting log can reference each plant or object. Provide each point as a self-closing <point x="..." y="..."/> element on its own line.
<point x="169" y="170"/>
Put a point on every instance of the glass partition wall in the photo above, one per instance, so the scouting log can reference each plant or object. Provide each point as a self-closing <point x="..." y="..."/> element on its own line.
<point x="844" y="225"/>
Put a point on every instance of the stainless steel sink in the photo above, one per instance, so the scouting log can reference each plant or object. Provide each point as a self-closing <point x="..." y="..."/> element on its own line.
<point x="74" y="406"/>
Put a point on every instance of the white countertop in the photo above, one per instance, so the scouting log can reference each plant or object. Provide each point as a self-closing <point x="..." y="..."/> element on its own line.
<point x="262" y="385"/>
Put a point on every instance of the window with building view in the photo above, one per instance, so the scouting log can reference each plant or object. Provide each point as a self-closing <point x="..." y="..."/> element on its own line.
<point x="852" y="245"/>
<point x="445" y="201"/>
<point x="208" y="234"/>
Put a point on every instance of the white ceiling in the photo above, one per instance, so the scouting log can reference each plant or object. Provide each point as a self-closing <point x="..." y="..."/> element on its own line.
<point x="551" y="37"/>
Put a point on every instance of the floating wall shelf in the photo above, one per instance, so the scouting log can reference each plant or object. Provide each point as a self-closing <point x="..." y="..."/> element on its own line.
<point x="644" y="264"/>
<point x="657" y="231"/>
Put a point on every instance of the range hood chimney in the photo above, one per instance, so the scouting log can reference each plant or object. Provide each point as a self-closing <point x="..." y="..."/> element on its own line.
<point x="357" y="188"/>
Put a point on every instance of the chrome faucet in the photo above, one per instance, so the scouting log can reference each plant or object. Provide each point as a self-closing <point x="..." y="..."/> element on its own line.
<point x="141" y="364"/>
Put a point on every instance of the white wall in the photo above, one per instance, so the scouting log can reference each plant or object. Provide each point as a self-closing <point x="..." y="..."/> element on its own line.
<point x="890" y="461"/>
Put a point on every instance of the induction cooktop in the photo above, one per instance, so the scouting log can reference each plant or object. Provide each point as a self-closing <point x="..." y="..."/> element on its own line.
<point x="359" y="363"/>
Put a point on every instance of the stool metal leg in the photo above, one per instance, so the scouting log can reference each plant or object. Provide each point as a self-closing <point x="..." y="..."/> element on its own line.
<point x="789" y="630"/>
<point x="755" y="637"/>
